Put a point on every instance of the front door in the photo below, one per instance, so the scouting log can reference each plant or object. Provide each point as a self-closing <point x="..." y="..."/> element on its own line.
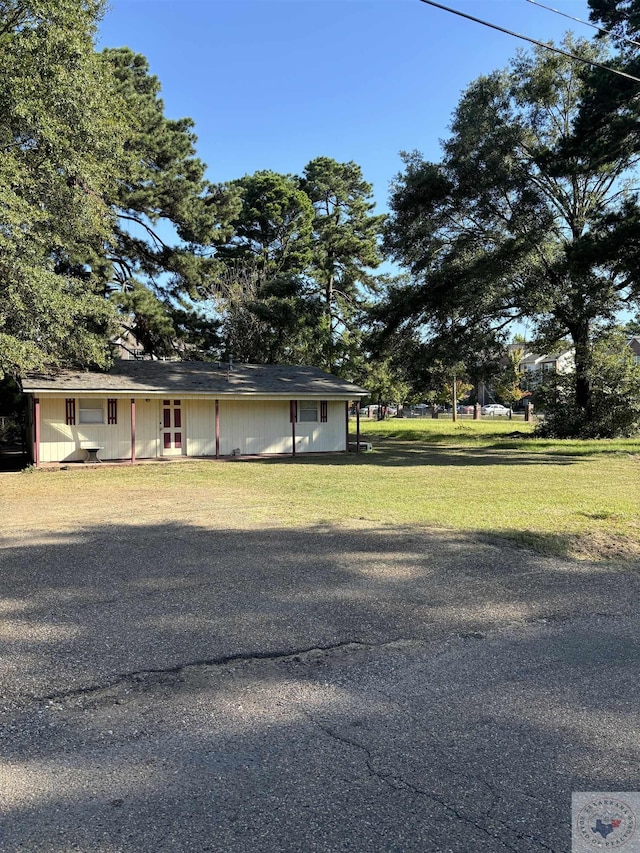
<point x="172" y="437"/>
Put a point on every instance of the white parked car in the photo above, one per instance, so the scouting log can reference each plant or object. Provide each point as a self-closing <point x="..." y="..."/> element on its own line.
<point x="495" y="409"/>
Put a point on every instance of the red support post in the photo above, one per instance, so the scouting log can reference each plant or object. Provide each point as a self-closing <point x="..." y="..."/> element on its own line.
<point x="217" y="429"/>
<point x="293" y="417"/>
<point x="346" y="423"/>
<point x="357" y="426"/>
<point x="133" y="431"/>
<point x="36" y="431"/>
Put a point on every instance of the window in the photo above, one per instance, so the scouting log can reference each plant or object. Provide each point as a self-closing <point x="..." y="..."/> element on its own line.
<point x="91" y="412"/>
<point x="324" y="411"/>
<point x="112" y="411"/>
<point x="307" y="411"/>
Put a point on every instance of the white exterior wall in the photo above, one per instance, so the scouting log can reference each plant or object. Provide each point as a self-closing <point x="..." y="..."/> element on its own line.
<point x="200" y="427"/>
<point x="60" y="442"/>
<point x="148" y="413"/>
<point x="264" y="427"/>
<point x="566" y="362"/>
<point x="329" y="437"/>
<point x="255" y="427"/>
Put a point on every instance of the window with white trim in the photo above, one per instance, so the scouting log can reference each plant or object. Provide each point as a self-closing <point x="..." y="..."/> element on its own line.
<point x="307" y="411"/>
<point x="91" y="411"/>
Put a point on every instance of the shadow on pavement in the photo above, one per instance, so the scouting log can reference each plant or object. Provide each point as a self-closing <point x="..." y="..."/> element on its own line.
<point x="171" y="687"/>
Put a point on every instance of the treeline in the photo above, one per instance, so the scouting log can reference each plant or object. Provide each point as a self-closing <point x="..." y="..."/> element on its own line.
<point x="531" y="215"/>
<point x="109" y="226"/>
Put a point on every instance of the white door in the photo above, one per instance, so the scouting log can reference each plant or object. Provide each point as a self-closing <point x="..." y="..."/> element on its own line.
<point x="171" y="427"/>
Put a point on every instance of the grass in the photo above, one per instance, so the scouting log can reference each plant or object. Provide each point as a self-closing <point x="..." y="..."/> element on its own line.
<point x="500" y="434"/>
<point x="577" y="499"/>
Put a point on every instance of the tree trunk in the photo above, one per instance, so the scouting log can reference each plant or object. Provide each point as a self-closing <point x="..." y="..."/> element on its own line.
<point x="454" y="416"/>
<point x="328" y="295"/>
<point x="580" y="338"/>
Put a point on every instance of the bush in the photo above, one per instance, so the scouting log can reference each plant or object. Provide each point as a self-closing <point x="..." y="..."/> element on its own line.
<point x="10" y="432"/>
<point x="614" y="410"/>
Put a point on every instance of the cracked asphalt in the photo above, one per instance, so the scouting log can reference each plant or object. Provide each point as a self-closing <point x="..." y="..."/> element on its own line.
<point x="355" y="688"/>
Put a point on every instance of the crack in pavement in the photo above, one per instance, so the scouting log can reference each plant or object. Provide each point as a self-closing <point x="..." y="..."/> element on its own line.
<point x="138" y="677"/>
<point x="399" y="784"/>
<point x="485" y="822"/>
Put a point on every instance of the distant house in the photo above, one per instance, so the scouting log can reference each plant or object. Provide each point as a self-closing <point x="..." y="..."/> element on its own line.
<point x="533" y="367"/>
<point x="152" y="409"/>
<point x="126" y="346"/>
<point x="634" y="343"/>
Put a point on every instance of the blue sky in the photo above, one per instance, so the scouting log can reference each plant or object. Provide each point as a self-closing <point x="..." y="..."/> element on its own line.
<point x="271" y="84"/>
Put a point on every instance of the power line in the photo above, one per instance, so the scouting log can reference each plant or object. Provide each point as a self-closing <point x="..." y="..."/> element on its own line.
<point x="533" y="41"/>
<point x="586" y="23"/>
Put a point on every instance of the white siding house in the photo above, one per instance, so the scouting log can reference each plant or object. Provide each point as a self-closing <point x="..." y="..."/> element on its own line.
<point x="534" y="367"/>
<point x="152" y="409"/>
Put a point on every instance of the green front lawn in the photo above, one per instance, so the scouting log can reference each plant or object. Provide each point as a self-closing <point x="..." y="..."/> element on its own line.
<point x="575" y="498"/>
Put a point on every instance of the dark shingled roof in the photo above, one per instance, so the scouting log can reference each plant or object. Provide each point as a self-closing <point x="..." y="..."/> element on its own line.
<point x="198" y="377"/>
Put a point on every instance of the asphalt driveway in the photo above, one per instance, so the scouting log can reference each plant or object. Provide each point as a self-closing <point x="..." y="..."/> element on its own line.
<point x="180" y="688"/>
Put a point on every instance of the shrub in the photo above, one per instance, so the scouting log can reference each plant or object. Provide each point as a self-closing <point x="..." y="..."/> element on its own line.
<point x="615" y="396"/>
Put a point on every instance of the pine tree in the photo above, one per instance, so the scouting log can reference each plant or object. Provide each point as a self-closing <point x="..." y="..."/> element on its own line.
<point x="61" y="143"/>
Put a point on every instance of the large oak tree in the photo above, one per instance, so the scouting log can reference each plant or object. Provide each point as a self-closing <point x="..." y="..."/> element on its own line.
<point x="61" y="144"/>
<point x="515" y="221"/>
